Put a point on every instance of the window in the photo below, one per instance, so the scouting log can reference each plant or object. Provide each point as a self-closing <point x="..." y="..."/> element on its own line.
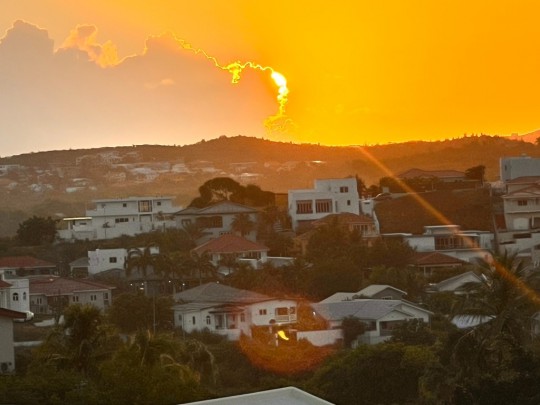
<point x="208" y="320"/>
<point x="323" y="205"/>
<point x="262" y="311"/>
<point x="15" y="296"/>
<point x="75" y="298"/>
<point x="113" y="260"/>
<point x="124" y="205"/>
<point x="180" y="317"/>
<point x="186" y="222"/>
<point x="344" y="189"/>
<point x="106" y="296"/>
<point x="39" y="301"/>
<point x="158" y="203"/>
<point x="119" y="220"/>
<point x="304" y="207"/>
<point x="282" y="311"/>
<point x="242" y="317"/>
<point x="93" y="297"/>
<point x="348" y="202"/>
<point x="522" y="203"/>
<point x="145" y="206"/>
<point x="24" y="296"/>
<point x="193" y="320"/>
<point x="210" y="222"/>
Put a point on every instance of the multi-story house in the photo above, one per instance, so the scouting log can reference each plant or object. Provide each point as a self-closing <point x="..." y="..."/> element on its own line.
<point x="14" y="292"/>
<point x="101" y="260"/>
<point x="452" y="241"/>
<point x="329" y="196"/>
<point x="111" y="218"/>
<point x="519" y="166"/>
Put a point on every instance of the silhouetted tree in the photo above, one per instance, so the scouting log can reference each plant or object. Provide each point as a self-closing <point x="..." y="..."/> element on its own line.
<point x="37" y="231"/>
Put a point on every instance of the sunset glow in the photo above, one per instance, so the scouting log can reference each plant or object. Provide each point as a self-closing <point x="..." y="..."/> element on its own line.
<point x="358" y="72"/>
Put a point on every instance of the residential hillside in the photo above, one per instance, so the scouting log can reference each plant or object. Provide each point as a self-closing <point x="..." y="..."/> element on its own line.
<point x="62" y="183"/>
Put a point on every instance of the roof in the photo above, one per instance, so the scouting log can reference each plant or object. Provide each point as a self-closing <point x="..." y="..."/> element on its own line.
<point x="9" y="313"/>
<point x="219" y="293"/>
<point x="524" y="180"/>
<point x="54" y="285"/>
<point x="466" y="278"/>
<point x="339" y="297"/>
<point x="531" y="191"/>
<point x="362" y="309"/>
<point x="4" y="284"/>
<point x="344" y="218"/>
<point x="19" y="262"/>
<point x="373" y="289"/>
<point x="222" y="207"/>
<point x="434" y="259"/>
<point x="414" y="173"/>
<point x="279" y="396"/>
<point x="80" y="262"/>
<point x="229" y="243"/>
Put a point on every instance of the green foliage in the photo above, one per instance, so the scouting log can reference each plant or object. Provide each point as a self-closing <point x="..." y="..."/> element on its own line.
<point x="132" y="312"/>
<point x="225" y="188"/>
<point x="387" y="373"/>
<point x="37" y="231"/>
<point x="414" y="332"/>
<point x="352" y="328"/>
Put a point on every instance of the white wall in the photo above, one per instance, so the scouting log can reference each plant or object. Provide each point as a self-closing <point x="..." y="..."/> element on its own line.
<point x="7" y="352"/>
<point x="514" y="167"/>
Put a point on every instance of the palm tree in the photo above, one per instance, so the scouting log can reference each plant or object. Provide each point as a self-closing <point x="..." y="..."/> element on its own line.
<point x="504" y="302"/>
<point x="229" y="260"/>
<point x="141" y="260"/>
<point x="199" y="266"/>
<point x="242" y="224"/>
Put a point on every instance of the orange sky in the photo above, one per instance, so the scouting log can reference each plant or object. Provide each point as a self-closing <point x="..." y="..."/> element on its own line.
<point x="358" y="72"/>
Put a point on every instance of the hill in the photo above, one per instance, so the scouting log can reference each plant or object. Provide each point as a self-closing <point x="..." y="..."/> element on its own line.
<point x="61" y="183"/>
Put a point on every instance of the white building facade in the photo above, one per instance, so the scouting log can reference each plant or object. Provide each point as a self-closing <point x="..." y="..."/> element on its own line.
<point x="329" y="196"/>
<point x="111" y="218"/>
<point x="521" y="166"/>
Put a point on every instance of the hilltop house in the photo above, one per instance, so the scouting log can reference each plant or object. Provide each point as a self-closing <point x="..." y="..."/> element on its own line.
<point x="230" y="311"/>
<point x="446" y="176"/>
<point x="329" y="196"/>
<point x="50" y="292"/>
<point x="217" y="219"/>
<point x="112" y="218"/>
<point x="7" y="350"/>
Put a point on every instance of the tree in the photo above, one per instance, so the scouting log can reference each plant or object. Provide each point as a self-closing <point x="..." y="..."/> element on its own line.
<point x="352" y="328"/>
<point x="215" y="190"/>
<point x="413" y="332"/>
<point x="476" y="173"/>
<point x="503" y="302"/>
<point x="242" y="224"/>
<point x="200" y="266"/>
<point x="141" y="261"/>
<point x="37" y="231"/>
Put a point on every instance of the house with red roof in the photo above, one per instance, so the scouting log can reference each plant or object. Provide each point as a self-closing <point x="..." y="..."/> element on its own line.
<point x="50" y="292"/>
<point x="429" y="262"/>
<point x="7" y="350"/>
<point x="236" y="247"/>
<point x="26" y="266"/>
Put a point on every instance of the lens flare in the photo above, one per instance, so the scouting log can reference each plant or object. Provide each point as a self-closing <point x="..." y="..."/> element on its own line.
<point x="279" y="122"/>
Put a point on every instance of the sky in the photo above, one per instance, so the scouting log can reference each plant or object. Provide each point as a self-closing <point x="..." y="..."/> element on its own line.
<point x="123" y="72"/>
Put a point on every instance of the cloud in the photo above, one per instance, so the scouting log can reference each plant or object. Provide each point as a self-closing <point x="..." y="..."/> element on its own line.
<point x="84" y="38"/>
<point x="82" y="96"/>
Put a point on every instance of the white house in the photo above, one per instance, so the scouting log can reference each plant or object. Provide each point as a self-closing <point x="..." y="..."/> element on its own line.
<point x="380" y="316"/>
<point x="230" y="311"/>
<point x="519" y="166"/>
<point x="455" y="284"/>
<point x="452" y="241"/>
<point x="14" y="293"/>
<point x="111" y="218"/>
<point x="100" y="260"/>
<point x="48" y="291"/>
<point x="522" y="209"/>
<point x="330" y="196"/>
<point x="7" y="350"/>
<point x="217" y="219"/>
<point x="373" y="291"/>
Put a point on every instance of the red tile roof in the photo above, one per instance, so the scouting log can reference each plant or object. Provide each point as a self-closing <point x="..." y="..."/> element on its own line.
<point x="22" y="262"/>
<point x="434" y="259"/>
<point x="230" y="243"/>
<point x="8" y="313"/>
<point x="54" y="285"/>
<point x="4" y="284"/>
